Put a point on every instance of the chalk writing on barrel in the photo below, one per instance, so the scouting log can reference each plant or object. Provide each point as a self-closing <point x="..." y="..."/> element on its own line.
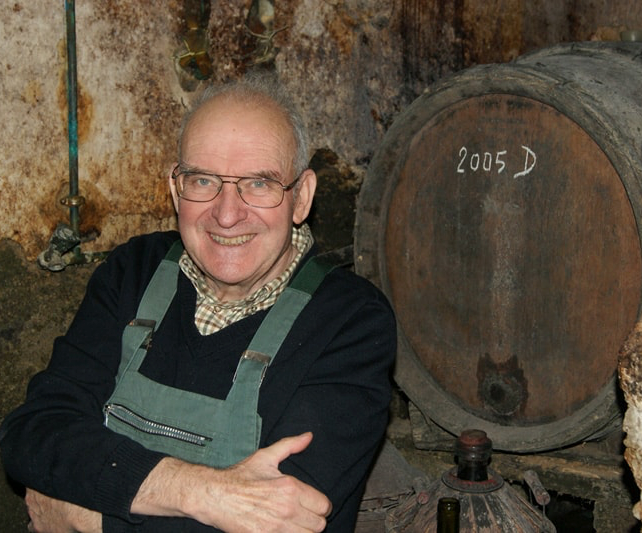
<point x="486" y="161"/>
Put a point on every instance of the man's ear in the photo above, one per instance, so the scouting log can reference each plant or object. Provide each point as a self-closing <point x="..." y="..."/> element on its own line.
<point x="304" y="195"/>
<point x="172" y="189"/>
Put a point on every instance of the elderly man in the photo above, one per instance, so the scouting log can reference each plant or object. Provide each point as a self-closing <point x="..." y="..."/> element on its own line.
<point x="220" y="377"/>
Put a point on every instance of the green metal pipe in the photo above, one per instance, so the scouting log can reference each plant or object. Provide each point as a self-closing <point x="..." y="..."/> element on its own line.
<point x="72" y="115"/>
<point x="64" y="244"/>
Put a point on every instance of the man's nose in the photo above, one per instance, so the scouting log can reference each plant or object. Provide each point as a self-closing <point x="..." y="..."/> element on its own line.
<point x="228" y="208"/>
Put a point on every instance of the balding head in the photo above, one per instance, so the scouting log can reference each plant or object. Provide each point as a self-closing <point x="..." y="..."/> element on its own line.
<point x="258" y="90"/>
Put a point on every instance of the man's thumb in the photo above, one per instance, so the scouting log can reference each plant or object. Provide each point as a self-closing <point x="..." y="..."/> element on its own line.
<point x="287" y="446"/>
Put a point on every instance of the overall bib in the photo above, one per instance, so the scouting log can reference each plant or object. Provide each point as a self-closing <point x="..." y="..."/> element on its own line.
<point x="183" y="424"/>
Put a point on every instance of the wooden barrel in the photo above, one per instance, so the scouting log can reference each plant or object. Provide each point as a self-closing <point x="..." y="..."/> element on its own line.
<point x="501" y="215"/>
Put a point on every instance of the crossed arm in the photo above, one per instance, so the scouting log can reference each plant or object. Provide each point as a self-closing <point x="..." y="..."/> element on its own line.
<point x="250" y="496"/>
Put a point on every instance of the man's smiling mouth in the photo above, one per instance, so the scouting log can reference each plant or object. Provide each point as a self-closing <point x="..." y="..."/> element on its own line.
<point x="231" y="241"/>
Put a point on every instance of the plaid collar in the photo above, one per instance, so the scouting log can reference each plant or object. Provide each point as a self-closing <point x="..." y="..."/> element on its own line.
<point x="212" y="315"/>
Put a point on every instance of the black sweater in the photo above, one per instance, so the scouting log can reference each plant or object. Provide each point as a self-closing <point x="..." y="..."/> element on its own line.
<point x="331" y="377"/>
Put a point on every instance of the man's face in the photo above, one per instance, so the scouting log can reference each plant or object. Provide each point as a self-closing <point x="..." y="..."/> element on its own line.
<point x="238" y="247"/>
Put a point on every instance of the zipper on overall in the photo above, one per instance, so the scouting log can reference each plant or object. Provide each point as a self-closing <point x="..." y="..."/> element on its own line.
<point x="129" y="417"/>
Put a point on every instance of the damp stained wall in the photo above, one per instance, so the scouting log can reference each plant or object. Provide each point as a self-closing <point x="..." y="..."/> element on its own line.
<point x="129" y="106"/>
<point x="353" y="65"/>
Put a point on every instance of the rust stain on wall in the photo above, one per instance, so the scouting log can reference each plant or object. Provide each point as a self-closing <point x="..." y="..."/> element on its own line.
<point x="32" y="93"/>
<point x="493" y="31"/>
<point x="129" y="110"/>
<point x="342" y="31"/>
<point x="84" y="102"/>
<point x="231" y="43"/>
<point x="431" y="40"/>
<point x="84" y="110"/>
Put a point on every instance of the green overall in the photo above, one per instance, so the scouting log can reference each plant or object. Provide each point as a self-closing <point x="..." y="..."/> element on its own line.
<point x="183" y="424"/>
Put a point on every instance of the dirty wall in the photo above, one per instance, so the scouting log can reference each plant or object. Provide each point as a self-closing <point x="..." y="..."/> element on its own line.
<point x="352" y="65"/>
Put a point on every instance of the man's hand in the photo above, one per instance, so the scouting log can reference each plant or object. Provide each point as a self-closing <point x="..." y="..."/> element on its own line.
<point x="250" y="496"/>
<point x="49" y="515"/>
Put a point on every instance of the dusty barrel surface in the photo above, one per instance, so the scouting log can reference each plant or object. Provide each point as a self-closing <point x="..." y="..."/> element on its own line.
<point x="501" y="215"/>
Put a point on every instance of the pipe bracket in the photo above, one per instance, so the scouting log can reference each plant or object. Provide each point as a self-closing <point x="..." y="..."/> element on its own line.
<point x="72" y="201"/>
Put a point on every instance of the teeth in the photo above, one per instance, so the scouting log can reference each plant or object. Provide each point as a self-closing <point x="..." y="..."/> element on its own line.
<point x="233" y="241"/>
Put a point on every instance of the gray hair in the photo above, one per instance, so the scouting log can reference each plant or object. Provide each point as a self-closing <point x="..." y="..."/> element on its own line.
<point x="259" y="87"/>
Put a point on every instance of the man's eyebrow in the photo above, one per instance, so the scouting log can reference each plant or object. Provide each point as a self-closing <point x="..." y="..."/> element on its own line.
<point x="190" y="168"/>
<point x="269" y="174"/>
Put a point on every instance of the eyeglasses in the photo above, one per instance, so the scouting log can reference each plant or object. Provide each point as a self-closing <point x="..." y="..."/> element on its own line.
<point x="198" y="186"/>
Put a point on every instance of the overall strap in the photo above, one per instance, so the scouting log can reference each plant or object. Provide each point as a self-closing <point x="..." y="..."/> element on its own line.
<point x="160" y="291"/>
<point x="156" y="299"/>
<point x="277" y="324"/>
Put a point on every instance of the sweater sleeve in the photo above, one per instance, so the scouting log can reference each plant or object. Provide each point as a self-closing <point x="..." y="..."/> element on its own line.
<point x="56" y="442"/>
<point x="343" y="396"/>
